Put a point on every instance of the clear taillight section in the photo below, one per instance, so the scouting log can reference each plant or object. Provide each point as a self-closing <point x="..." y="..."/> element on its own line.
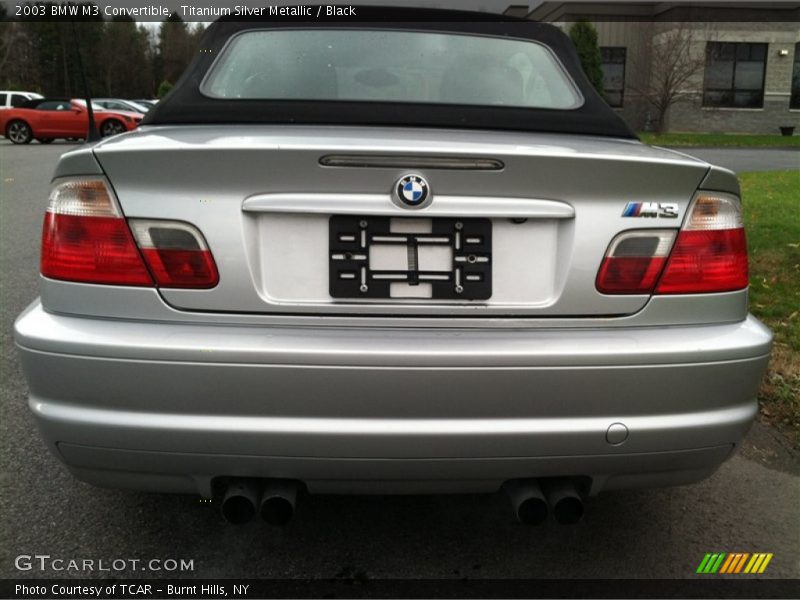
<point x="708" y="255"/>
<point x="634" y="261"/>
<point x="176" y="253"/>
<point x="86" y="239"/>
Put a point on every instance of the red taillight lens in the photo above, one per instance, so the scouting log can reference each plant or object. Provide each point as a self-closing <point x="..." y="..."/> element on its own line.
<point x="176" y="254"/>
<point x="634" y="261"/>
<point x="710" y="254"/>
<point x="629" y="275"/>
<point x="706" y="261"/>
<point x="182" y="268"/>
<point x="85" y="238"/>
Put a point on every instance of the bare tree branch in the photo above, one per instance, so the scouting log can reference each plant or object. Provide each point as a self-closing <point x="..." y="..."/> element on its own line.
<point x="677" y="56"/>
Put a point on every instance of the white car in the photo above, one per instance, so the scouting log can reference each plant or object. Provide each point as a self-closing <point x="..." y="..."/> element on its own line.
<point x="13" y="99"/>
<point x="121" y="105"/>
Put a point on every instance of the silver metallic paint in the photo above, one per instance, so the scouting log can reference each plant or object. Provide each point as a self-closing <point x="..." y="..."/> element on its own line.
<point x="131" y="391"/>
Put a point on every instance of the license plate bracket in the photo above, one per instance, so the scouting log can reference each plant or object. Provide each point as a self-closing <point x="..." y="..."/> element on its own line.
<point x="351" y="239"/>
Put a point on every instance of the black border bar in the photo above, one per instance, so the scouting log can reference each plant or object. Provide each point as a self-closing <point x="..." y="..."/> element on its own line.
<point x="700" y="587"/>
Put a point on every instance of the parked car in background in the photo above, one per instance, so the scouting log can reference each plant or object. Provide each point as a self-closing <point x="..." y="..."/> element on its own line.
<point x="13" y="99"/>
<point x="423" y="256"/>
<point x="148" y="103"/>
<point x="47" y="119"/>
<point x="121" y="105"/>
<point x="98" y="108"/>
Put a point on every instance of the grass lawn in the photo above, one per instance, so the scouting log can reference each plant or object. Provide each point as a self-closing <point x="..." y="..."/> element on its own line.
<point x="772" y="217"/>
<point x="740" y="140"/>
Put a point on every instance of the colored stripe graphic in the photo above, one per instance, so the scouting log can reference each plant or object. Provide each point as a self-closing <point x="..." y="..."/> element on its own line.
<point x="703" y="563"/>
<point x="718" y="563"/>
<point x="764" y="564"/>
<point x="734" y="563"/>
<point x="728" y="564"/>
<point x="632" y="209"/>
<point x="759" y="563"/>
<point x="752" y="563"/>
<point x="741" y="562"/>
<point x="711" y="563"/>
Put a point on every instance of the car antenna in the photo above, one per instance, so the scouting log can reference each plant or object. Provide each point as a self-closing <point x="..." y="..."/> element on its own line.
<point x="93" y="135"/>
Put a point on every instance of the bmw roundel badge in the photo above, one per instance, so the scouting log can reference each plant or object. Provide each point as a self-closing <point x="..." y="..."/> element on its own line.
<point x="412" y="190"/>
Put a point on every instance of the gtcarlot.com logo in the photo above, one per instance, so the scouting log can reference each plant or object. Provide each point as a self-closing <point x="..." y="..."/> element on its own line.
<point x="734" y="563"/>
<point x="45" y="562"/>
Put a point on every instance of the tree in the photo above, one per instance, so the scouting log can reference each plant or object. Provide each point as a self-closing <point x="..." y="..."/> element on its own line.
<point x="175" y="48"/>
<point x="674" y="62"/>
<point x="584" y="36"/>
<point x="120" y="57"/>
<point x="163" y="89"/>
<point x="126" y="68"/>
<point x="7" y="35"/>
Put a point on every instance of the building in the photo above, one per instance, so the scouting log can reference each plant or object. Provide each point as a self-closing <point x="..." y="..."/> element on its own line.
<point x="731" y="67"/>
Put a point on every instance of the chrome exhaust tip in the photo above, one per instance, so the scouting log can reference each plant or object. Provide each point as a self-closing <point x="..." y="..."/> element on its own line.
<point x="239" y="502"/>
<point x="528" y="501"/>
<point x="564" y="499"/>
<point x="277" y="501"/>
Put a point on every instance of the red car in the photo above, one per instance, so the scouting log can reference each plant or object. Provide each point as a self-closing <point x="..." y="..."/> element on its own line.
<point x="49" y="118"/>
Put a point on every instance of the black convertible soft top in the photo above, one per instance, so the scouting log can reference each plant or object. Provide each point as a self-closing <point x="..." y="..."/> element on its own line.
<point x="185" y="104"/>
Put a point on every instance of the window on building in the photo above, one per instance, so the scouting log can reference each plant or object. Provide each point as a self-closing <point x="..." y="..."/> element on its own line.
<point x="795" y="102"/>
<point x="734" y="75"/>
<point x="613" y="75"/>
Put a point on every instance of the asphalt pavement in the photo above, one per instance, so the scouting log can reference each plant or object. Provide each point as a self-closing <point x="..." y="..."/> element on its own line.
<point x="752" y="504"/>
<point x="740" y="160"/>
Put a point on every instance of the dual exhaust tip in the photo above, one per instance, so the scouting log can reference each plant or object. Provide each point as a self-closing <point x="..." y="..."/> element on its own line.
<point x="533" y="500"/>
<point x="274" y="500"/>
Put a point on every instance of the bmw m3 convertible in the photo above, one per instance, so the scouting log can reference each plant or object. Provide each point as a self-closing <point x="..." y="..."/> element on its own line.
<point x="415" y="254"/>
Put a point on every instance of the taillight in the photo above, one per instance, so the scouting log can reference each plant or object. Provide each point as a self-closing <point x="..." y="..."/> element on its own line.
<point x="85" y="238"/>
<point x="710" y="254"/>
<point x="176" y="254"/>
<point x="634" y="261"/>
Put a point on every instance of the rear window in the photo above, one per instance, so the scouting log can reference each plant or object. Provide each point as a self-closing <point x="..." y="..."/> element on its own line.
<point x="18" y="100"/>
<point x="390" y="66"/>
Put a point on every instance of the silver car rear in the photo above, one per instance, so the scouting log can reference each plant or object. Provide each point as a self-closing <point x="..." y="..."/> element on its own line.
<point x="351" y="307"/>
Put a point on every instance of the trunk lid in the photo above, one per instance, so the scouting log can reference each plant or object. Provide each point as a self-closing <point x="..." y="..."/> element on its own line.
<point x="263" y="197"/>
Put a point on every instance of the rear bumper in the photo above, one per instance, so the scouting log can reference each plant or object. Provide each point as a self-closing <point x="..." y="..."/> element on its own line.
<point x="168" y="406"/>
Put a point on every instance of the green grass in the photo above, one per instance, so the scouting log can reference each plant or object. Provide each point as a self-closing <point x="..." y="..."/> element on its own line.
<point x="740" y="140"/>
<point x="772" y="217"/>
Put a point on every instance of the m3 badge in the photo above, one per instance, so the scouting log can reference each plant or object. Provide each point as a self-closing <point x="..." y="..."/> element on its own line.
<point x="666" y="210"/>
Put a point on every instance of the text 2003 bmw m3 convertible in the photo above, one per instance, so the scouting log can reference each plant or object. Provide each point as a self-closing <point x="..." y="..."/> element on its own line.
<point x="400" y="256"/>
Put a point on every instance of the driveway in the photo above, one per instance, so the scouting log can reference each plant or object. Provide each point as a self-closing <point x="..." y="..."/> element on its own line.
<point x="752" y="504"/>
<point x="741" y="160"/>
